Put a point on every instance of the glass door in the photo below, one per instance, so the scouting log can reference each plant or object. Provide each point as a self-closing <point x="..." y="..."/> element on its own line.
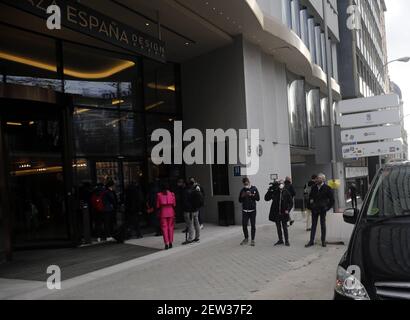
<point x="35" y="147"/>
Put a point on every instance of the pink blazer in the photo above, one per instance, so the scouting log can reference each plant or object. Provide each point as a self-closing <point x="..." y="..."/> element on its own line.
<point x="166" y="204"/>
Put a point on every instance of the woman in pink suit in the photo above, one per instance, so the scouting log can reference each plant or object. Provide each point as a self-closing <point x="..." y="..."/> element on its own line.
<point x="166" y="204"/>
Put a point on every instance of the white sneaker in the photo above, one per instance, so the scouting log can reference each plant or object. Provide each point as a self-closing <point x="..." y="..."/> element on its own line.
<point x="201" y="226"/>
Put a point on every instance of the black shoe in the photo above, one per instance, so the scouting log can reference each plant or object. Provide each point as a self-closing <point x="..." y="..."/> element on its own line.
<point x="186" y="243"/>
<point x="324" y="244"/>
<point x="196" y="240"/>
<point x="310" y="244"/>
<point x="185" y="230"/>
<point x="287" y="244"/>
<point x="279" y="243"/>
<point x="308" y="230"/>
<point x="291" y="223"/>
<point x="170" y="246"/>
<point x="166" y="247"/>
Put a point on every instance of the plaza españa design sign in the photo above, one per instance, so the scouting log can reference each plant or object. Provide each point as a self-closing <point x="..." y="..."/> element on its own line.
<point x="78" y="17"/>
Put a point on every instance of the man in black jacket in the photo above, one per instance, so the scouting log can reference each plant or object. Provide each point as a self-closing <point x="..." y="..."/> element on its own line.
<point x="321" y="200"/>
<point x="248" y="196"/>
<point x="282" y="204"/>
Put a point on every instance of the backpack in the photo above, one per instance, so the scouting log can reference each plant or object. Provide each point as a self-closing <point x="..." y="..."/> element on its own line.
<point x="197" y="199"/>
<point x="97" y="201"/>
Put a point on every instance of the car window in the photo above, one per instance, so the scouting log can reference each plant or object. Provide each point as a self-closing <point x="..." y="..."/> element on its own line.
<point x="391" y="195"/>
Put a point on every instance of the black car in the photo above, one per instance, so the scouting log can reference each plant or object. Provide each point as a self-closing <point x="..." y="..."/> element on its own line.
<point x="376" y="265"/>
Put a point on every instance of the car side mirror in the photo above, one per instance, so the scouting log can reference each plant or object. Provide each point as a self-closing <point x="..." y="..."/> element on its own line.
<point x="350" y="215"/>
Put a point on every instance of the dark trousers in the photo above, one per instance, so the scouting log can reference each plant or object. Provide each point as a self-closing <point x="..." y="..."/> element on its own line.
<point x="105" y="222"/>
<point x="354" y="202"/>
<point x="282" y="225"/>
<point x="155" y="222"/>
<point x="316" y="213"/>
<point x="246" y="216"/>
<point x="133" y="222"/>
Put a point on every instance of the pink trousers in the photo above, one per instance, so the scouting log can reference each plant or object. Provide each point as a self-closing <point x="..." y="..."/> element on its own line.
<point x="167" y="227"/>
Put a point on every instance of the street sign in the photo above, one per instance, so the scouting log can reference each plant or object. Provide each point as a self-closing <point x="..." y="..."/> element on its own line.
<point x="369" y="104"/>
<point x="371" y="134"/>
<point x="370" y="119"/>
<point x="372" y="149"/>
<point x="356" y="172"/>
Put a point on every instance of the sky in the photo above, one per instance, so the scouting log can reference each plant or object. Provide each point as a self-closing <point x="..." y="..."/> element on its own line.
<point x="398" y="45"/>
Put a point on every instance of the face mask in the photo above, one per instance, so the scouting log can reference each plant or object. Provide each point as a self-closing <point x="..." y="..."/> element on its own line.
<point x="247" y="187"/>
<point x="282" y="186"/>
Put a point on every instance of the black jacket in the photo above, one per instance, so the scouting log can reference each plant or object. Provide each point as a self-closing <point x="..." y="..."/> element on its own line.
<point x="187" y="200"/>
<point x="282" y="202"/>
<point x="249" y="202"/>
<point x="133" y="199"/>
<point x="321" y="199"/>
<point x="290" y="189"/>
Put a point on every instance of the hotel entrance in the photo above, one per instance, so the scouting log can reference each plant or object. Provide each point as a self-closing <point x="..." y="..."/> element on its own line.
<point x="34" y="139"/>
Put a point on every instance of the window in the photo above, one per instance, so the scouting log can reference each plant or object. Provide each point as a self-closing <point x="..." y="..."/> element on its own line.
<point x="314" y="116"/>
<point x="297" y="113"/>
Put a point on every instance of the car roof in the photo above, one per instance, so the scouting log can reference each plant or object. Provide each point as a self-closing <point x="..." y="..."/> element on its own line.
<point x="398" y="163"/>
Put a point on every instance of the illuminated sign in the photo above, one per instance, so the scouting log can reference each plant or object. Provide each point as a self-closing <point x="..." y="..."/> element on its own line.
<point x="80" y="18"/>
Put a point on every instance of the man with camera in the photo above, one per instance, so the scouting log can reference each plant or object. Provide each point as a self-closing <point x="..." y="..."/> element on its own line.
<point x="282" y="204"/>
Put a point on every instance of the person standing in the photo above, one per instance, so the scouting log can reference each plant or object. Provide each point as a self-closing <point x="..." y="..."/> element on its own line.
<point x="321" y="200"/>
<point x="282" y="204"/>
<point x="192" y="202"/>
<point x="133" y="207"/>
<point x="166" y="205"/>
<point x="353" y="195"/>
<point x="110" y="207"/>
<point x="289" y="187"/>
<point x="248" y="197"/>
<point x="153" y="190"/>
<point x="308" y="209"/>
<point x="179" y="194"/>
<point x="200" y="189"/>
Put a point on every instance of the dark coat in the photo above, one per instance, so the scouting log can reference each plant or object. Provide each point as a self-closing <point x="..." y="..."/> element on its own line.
<point x="322" y="199"/>
<point x="290" y="188"/>
<point x="249" y="202"/>
<point x="133" y="199"/>
<point x="282" y="202"/>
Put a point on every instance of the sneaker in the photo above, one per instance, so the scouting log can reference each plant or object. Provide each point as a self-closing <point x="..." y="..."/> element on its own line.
<point x="252" y="243"/>
<point x="166" y="247"/>
<point x="279" y="243"/>
<point x="170" y="246"/>
<point x="244" y="242"/>
<point x="324" y="244"/>
<point x="201" y="226"/>
<point x="186" y="242"/>
<point x="291" y="223"/>
<point x="196" y="240"/>
<point x="310" y="244"/>
<point x="287" y="244"/>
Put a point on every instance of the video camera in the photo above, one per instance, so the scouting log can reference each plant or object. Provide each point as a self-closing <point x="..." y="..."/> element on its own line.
<point x="274" y="186"/>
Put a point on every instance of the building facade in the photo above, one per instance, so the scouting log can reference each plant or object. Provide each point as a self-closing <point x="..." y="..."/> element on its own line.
<point x="79" y="105"/>
<point x="363" y="68"/>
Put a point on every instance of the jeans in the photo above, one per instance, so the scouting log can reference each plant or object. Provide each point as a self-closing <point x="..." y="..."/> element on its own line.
<point x="246" y="216"/>
<point x="282" y="225"/>
<point x="316" y="213"/>
<point x="192" y="223"/>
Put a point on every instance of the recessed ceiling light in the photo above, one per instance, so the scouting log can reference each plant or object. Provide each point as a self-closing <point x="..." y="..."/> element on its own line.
<point x="187" y="43"/>
<point x="147" y="24"/>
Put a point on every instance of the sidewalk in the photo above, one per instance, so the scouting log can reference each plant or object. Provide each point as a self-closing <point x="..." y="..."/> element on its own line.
<point x="217" y="268"/>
